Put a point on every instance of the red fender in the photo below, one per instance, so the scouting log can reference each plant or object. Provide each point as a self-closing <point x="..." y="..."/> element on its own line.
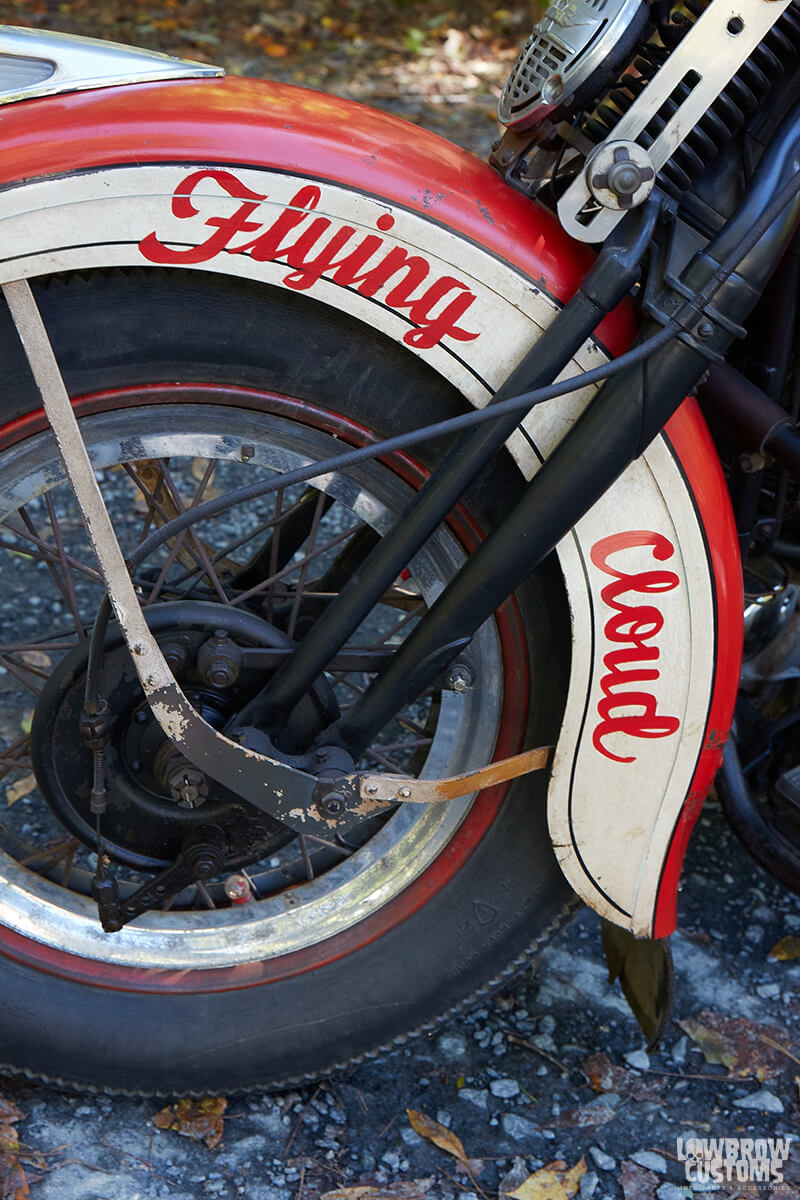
<point x="237" y="121"/>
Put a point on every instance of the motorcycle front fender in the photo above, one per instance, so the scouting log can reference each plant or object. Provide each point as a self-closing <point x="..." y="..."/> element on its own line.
<point x="421" y="241"/>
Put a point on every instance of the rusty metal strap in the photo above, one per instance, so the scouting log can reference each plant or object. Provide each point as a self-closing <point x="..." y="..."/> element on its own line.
<point x="381" y="788"/>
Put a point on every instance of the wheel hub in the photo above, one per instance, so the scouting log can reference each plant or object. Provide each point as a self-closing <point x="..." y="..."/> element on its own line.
<point x="154" y="794"/>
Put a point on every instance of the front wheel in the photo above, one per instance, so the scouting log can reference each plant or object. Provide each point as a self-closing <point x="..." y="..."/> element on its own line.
<point x="186" y="386"/>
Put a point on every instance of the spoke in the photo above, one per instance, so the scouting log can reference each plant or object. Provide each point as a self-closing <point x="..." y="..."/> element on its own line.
<point x="297" y="525"/>
<point x="265" y="583"/>
<point x="273" y="555"/>
<point x="201" y="551"/>
<point x="13" y="669"/>
<point x="306" y="857"/>
<point x="345" y="851"/>
<point x="16" y="757"/>
<point x="174" y="551"/>
<point x="236" y="568"/>
<point x="204" y="894"/>
<point x="319" y="509"/>
<point x="172" y="507"/>
<point x="47" y="554"/>
<point x="385" y="761"/>
<point x="64" y="580"/>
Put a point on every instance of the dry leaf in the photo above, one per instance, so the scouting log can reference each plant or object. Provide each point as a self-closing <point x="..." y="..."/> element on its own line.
<point x="638" y="1183"/>
<point x="598" y="1112"/>
<point x="13" y="1181"/>
<point x="198" y="1119"/>
<point x="19" y="788"/>
<point x="440" y="1135"/>
<point x="740" y="1045"/>
<point x="554" y="1182"/>
<point x="605" y="1076"/>
<point x="9" y="1112"/>
<point x="36" y="658"/>
<point x="409" y="1189"/>
<point x="786" y="949"/>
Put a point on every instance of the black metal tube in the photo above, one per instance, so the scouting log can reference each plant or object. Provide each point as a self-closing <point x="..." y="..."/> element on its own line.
<point x="777" y="854"/>
<point x="757" y="422"/>
<point x="608" y="281"/>
<point x="613" y="430"/>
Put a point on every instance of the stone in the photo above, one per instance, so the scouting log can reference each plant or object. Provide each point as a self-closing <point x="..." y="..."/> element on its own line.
<point x="477" y="1096"/>
<point x="638" y="1060"/>
<point x="589" y="1183"/>
<point x="452" y="1045"/>
<point x="650" y="1160"/>
<point x="679" y="1051"/>
<point x="516" y="1127"/>
<point x="769" y="991"/>
<point x="604" y="1161"/>
<point x="504" y="1088"/>
<point x="762" y="1101"/>
<point x="671" y="1191"/>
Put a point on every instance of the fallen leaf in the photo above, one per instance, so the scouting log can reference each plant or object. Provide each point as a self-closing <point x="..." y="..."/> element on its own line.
<point x="409" y="1189"/>
<point x="13" y="1181"/>
<point x="787" y="949"/>
<point x="198" y="1119"/>
<point x="440" y="1135"/>
<point x="605" y="1076"/>
<point x="19" y="788"/>
<point x="597" y="1112"/>
<point x="742" y="1046"/>
<point x="9" y="1112"/>
<point x="27" y="720"/>
<point x="638" y="1183"/>
<point x="36" y="658"/>
<point x="554" y="1182"/>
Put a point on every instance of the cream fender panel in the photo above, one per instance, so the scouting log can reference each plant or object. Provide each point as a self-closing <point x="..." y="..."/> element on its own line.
<point x="636" y="567"/>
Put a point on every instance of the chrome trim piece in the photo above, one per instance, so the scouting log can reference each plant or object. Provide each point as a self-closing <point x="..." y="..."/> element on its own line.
<point x="573" y="38"/>
<point x="35" y="64"/>
<point x="713" y="51"/>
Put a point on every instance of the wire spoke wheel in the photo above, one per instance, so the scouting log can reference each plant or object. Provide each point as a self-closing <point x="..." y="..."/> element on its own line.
<point x="346" y="942"/>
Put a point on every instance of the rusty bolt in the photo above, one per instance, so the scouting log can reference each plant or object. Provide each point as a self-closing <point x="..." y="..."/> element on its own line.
<point x="404" y="792"/>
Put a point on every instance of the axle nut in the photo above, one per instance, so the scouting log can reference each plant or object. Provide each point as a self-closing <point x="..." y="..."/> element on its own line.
<point x="332" y="804"/>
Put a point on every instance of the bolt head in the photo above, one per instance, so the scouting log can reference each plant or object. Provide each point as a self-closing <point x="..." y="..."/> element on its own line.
<point x="332" y="805"/>
<point x="624" y="178"/>
<point x="404" y="792"/>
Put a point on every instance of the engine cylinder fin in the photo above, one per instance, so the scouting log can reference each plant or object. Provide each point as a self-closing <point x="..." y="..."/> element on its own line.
<point x="743" y="96"/>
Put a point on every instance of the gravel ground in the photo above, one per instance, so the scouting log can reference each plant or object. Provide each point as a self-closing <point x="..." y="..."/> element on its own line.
<point x="507" y="1080"/>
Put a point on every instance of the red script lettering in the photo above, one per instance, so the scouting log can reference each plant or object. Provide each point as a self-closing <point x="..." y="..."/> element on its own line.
<point x="633" y="627"/>
<point x="316" y="246"/>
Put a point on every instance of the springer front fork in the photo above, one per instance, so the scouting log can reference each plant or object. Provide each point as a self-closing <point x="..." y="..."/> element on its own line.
<point x="704" y="309"/>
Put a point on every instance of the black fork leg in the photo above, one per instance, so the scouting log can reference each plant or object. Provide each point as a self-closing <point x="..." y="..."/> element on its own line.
<point x="606" y="284"/>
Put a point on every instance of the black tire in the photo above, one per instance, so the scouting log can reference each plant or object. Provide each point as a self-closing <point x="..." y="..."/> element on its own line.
<point x="491" y="894"/>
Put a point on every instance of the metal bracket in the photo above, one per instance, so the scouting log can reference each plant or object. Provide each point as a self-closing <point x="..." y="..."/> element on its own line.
<point x="702" y="326"/>
<point x="708" y="57"/>
<point x="288" y="794"/>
